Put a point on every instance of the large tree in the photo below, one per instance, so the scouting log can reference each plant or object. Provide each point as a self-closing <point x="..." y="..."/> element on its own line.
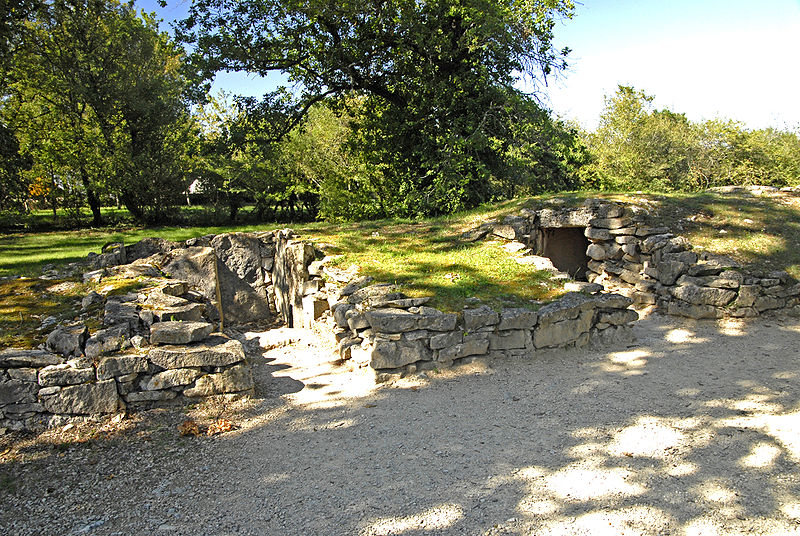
<point x="98" y="93"/>
<point x="436" y="78"/>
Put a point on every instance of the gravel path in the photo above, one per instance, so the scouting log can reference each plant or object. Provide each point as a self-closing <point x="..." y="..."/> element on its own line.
<point x="694" y="431"/>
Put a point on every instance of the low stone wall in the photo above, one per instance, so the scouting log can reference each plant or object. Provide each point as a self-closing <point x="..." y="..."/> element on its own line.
<point x="153" y="346"/>
<point x="393" y="334"/>
<point x="630" y="255"/>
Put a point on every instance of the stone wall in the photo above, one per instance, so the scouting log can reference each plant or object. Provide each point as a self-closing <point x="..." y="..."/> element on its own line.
<point x="632" y="256"/>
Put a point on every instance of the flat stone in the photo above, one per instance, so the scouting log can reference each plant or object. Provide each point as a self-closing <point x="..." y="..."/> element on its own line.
<point x="313" y="309"/>
<point x="766" y="303"/>
<point x="618" y="318"/>
<point x="392" y="320"/>
<point x="17" y="391"/>
<point x="679" y="308"/>
<point x="107" y="340"/>
<point x="404" y="303"/>
<point x="563" y="332"/>
<point x="179" y="332"/>
<point x="65" y="375"/>
<point x="353" y="286"/>
<point x="464" y="349"/>
<point x="567" y="307"/>
<point x="669" y="271"/>
<point x="172" y="378"/>
<point x="595" y="234"/>
<point x="654" y="242"/>
<point x="190" y="312"/>
<point x="91" y="299"/>
<point x="610" y="223"/>
<point x="597" y="252"/>
<point x="436" y="320"/>
<point x="85" y="399"/>
<point x="25" y="374"/>
<point x="233" y="380"/>
<point x="479" y="317"/>
<point x="376" y="293"/>
<point x="213" y="352"/>
<point x="517" y="318"/>
<point x="157" y="299"/>
<point x="17" y="357"/>
<point x="507" y="340"/>
<point x="120" y="313"/>
<point x="390" y="354"/>
<point x="121" y="365"/>
<point x="583" y="286"/>
<point x="443" y="340"/>
<point x="703" y="295"/>
<point x="150" y="396"/>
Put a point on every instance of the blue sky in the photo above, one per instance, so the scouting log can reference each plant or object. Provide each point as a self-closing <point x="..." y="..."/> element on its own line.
<point x="737" y="59"/>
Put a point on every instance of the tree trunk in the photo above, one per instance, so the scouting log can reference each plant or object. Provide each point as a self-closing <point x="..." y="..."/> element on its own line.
<point x="91" y="197"/>
<point x="133" y="207"/>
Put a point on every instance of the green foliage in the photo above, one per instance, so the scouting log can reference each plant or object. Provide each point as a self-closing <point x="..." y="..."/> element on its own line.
<point x="437" y="125"/>
<point x="637" y="147"/>
<point x="96" y="98"/>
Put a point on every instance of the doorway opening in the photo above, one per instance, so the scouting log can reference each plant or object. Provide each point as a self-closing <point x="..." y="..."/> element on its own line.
<point x="566" y="247"/>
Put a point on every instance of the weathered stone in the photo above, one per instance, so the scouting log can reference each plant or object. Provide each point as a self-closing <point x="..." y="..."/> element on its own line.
<point x="17" y="391"/>
<point x="404" y="303"/>
<point x="356" y="320"/>
<point x="765" y="303"/>
<point x="198" y="267"/>
<point x="107" y="340"/>
<point x="645" y="230"/>
<point x="340" y="311"/>
<point x="389" y="355"/>
<point x="346" y="345"/>
<point x="679" y="308"/>
<point x="583" y="286"/>
<point x="549" y="217"/>
<point x="27" y="409"/>
<point x="313" y="308"/>
<point x="47" y="391"/>
<point x="150" y="396"/>
<point x="563" y="332"/>
<point x="654" y="242"/>
<point x="156" y="299"/>
<point x="148" y="247"/>
<point x="611" y="336"/>
<point x="479" y="317"/>
<point x="213" y="352"/>
<point x="191" y="312"/>
<point x="620" y="317"/>
<point x="634" y="278"/>
<point x="505" y="231"/>
<point x="610" y="223"/>
<point x="443" y="340"/>
<point x="233" y="380"/>
<point x="537" y="262"/>
<point x="517" y="318"/>
<point x="626" y="240"/>
<point x="121" y="365"/>
<point x="171" y="378"/>
<point x="392" y="321"/>
<point x="358" y="284"/>
<point x="622" y="231"/>
<point x="597" y="235"/>
<point x="597" y="252"/>
<point x="179" y="332"/>
<point x="416" y="335"/>
<point x="85" y="399"/>
<point x="464" y="349"/>
<point x="507" y="340"/>
<point x="17" y="357"/>
<point x="685" y="257"/>
<point x="68" y="340"/>
<point x="24" y="374"/>
<point x="714" y="266"/>
<point x="376" y="293"/>
<point x="64" y="375"/>
<point x="669" y="271"/>
<point x="436" y="320"/>
<point x="120" y="313"/>
<point x="91" y="299"/>
<point x="568" y="307"/>
<point x="703" y="295"/>
<point x="240" y="277"/>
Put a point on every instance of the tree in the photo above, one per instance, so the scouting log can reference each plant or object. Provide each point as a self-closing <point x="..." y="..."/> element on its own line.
<point x="98" y="93"/>
<point x="435" y="78"/>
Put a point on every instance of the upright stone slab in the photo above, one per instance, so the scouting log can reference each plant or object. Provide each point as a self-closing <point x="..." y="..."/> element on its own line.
<point x="243" y="289"/>
<point x="289" y="275"/>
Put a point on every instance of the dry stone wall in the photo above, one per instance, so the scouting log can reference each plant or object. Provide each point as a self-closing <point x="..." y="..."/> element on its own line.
<point x="629" y="254"/>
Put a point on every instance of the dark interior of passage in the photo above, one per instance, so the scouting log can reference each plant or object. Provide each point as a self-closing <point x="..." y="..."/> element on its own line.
<point x="566" y="247"/>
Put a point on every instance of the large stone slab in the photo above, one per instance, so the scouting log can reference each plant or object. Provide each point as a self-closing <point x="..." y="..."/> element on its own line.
<point x="567" y="307"/>
<point x="517" y="318"/>
<point x="198" y="267"/>
<point x="172" y="378"/>
<point x="480" y="317"/>
<point x="86" y="399"/>
<point x="179" y="332"/>
<point x="392" y="320"/>
<point x="121" y="365"/>
<point x="703" y="295"/>
<point x="68" y="340"/>
<point x="18" y="357"/>
<point x="17" y="391"/>
<point x="562" y="332"/>
<point x="435" y="320"/>
<point x="240" y="274"/>
<point x="213" y="352"/>
<point x="234" y="380"/>
<point x="65" y="375"/>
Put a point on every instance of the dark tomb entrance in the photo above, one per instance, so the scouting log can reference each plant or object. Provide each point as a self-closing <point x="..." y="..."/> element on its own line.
<point x="566" y="247"/>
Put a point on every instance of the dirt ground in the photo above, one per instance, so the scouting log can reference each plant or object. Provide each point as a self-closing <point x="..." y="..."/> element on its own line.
<point x="695" y="431"/>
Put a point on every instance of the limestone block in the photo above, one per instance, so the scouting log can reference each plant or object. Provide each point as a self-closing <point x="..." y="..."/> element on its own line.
<point x="679" y="308"/>
<point x="107" y="340"/>
<point x="644" y="231"/>
<point x="563" y="332"/>
<point x="179" y="332"/>
<point x="582" y="286"/>
<point x="597" y="235"/>
<point x="388" y="355"/>
<point x="233" y="380"/>
<point x="610" y="223"/>
<point x="171" y="378"/>
<point x="568" y="307"/>
<point x="597" y="252"/>
<point x="765" y="303"/>
<point x="464" y="349"/>
<point x="84" y="399"/>
<point x="507" y="340"/>
<point x="150" y="396"/>
<point x="340" y="311"/>
<point x="619" y="317"/>
<point x="479" y="317"/>
<point x="443" y="340"/>
<point x="313" y="308"/>
<point x="517" y="318"/>
<point x="118" y="313"/>
<point x="91" y="299"/>
<point x="391" y="320"/>
<point x="17" y="357"/>
<point x="25" y="374"/>
<point x="65" y="375"/>
<point x="416" y="335"/>
<point x="668" y="272"/>
<point x="17" y="391"/>
<point x="198" y="267"/>
<point x="375" y="293"/>
<point x="356" y="320"/>
<point x="68" y="340"/>
<point x="703" y="295"/>
<point x="435" y="320"/>
<point x="654" y="242"/>
<point x="121" y="365"/>
<point x="156" y="299"/>
<point x="191" y="312"/>
<point x="213" y="352"/>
